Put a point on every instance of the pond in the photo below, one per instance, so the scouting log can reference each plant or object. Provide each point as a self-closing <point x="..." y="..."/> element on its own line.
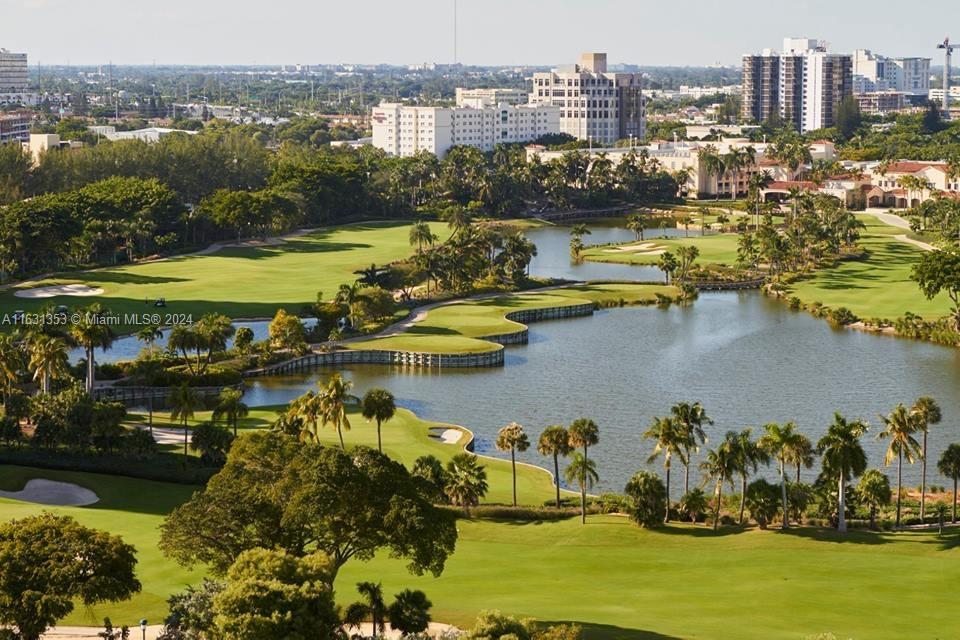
<point x="747" y="358"/>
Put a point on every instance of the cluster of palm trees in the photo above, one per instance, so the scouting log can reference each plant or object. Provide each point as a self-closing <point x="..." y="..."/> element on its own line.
<point x="472" y="253"/>
<point x="843" y="458"/>
<point x="732" y="163"/>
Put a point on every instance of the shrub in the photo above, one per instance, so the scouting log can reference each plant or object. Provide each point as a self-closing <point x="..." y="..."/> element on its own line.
<point x="648" y="497"/>
<point x="794" y="303"/>
<point x="841" y="317"/>
<point x="763" y="501"/>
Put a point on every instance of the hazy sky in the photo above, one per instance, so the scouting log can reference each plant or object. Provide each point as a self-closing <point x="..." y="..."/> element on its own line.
<point x="663" y="32"/>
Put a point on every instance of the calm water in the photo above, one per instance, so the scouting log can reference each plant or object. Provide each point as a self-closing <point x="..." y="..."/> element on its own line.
<point x="747" y="358"/>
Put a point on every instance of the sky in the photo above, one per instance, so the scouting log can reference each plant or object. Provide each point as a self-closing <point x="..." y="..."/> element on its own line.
<point x="493" y="32"/>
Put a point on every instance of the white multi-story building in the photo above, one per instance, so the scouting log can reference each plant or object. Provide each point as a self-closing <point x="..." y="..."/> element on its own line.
<point x="873" y="72"/>
<point x="403" y="131"/>
<point x="594" y="104"/>
<point x="936" y="95"/>
<point x="13" y="72"/>
<point x="478" y="98"/>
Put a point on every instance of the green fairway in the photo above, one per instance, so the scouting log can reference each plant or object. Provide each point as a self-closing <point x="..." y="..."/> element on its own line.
<point x="240" y="282"/>
<point x="718" y="248"/>
<point x="877" y="286"/>
<point x="454" y="327"/>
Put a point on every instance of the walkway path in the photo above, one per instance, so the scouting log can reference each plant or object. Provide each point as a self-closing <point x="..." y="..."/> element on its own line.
<point x="894" y="220"/>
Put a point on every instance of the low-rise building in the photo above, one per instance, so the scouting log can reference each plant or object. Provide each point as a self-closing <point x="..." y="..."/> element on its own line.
<point x="149" y="134"/>
<point x="890" y="189"/>
<point x="404" y="131"/>
<point x="881" y="102"/>
<point x="15" y="126"/>
<point x="479" y="98"/>
<point x="39" y="143"/>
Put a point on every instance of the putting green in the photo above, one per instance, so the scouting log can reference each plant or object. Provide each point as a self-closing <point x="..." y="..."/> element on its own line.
<point x="879" y="284"/>
<point x="241" y="282"/>
<point x="455" y="327"/>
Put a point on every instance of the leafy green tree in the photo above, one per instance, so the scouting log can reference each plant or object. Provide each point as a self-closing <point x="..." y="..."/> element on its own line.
<point x="582" y="472"/>
<point x="928" y="413"/>
<point x="848" y="118"/>
<point x="191" y="614"/>
<point x="278" y="493"/>
<point x="554" y="441"/>
<point x="493" y="625"/>
<point x="761" y="500"/>
<point x="874" y="491"/>
<point x="379" y="405"/>
<point x="899" y="427"/>
<point x="466" y="481"/>
<point x="230" y="406"/>
<point x="648" y="497"/>
<point x="270" y="593"/>
<point x="940" y="271"/>
<point x="409" y="613"/>
<point x="512" y="438"/>
<point x="212" y="442"/>
<point x="52" y="562"/>
<point x="843" y="458"/>
<point x="286" y="332"/>
<point x="243" y="339"/>
<point x="949" y="466"/>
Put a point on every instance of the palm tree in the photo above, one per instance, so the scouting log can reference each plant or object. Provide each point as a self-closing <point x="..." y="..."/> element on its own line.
<point x="555" y="441"/>
<point x="781" y="442"/>
<point x="874" y="491"/>
<point x="306" y="411"/>
<point x="668" y="264"/>
<point x="582" y="472"/>
<point x="928" y="413"/>
<point x="92" y="332"/>
<point x="379" y="405"/>
<point x="466" y="481"/>
<point x="579" y="230"/>
<point x="802" y="455"/>
<point x="334" y="397"/>
<point x="693" y="503"/>
<point x="375" y="608"/>
<point x="231" y="407"/>
<point x="584" y="433"/>
<point x="719" y="468"/>
<point x="11" y="363"/>
<point x="670" y="440"/>
<point x="713" y="164"/>
<point x="899" y="428"/>
<point x="48" y="360"/>
<point x="949" y="465"/>
<point x="747" y="456"/>
<point x="843" y="457"/>
<point x="690" y="419"/>
<point x="512" y="438"/>
<point x="184" y="402"/>
<point x="421" y="235"/>
<point x="149" y="335"/>
<point x="637" y="223"/>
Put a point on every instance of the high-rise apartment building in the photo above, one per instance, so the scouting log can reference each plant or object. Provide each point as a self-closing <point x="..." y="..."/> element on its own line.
<point x="803" y="83"/>
<point x="873" y="72"/>
<point x="403" y="131"/>
<point x="13" y="72"/>
<point x="594" y="104"/>
<point x="478" y="98"/>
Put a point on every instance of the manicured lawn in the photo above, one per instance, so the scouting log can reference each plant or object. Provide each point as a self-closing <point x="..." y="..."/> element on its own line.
<point x="877" y="286"/>
<point x="241" y="282"/>
<point x="454" y="327"/>
<point x="717" y="248"/>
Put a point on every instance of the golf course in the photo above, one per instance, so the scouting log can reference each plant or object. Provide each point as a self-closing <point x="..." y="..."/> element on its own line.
<point x="617" y="580"/>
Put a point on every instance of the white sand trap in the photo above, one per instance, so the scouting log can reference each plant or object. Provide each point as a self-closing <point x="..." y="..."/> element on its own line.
<point x="61" y="494"/>
<point x="59" y="290"/>
<point x="451" y="436"/>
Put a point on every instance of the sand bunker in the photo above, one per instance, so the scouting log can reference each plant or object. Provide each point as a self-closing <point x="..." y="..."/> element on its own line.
<point x="451" y="436"/>
<point x="61" y="494"/>
<point x="59" y="290"/>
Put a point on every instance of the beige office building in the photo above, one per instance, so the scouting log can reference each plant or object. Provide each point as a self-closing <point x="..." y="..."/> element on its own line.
<point x="13" y="72"/>
<point x="594" y="104"/>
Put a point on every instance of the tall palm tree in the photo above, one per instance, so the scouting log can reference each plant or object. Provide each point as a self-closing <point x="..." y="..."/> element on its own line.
<point x="512" y="438"/>
<point x="92" y="332"/>
<point x="899" y="428"/>
<point x="781" y="442"/>
<point x="690" y="418"/>
<point x="11" y="363"/>
<point x="802" y="455"/>
<point x="843" y="457"/>
<point x="421" y="235"/>
<point x="466" y="481"/>
<point x="949" y="466"/>
<point x="379" y="405"/>
<point x="582" y="472"/>
<point x="374" y="607"/>
<point x="184" y="402"/>
<point x="306" y="411"/>
<point x="637" y="223"/>
<point x="149" y="335"/>
<point x="231" y="406"/>
<point x="718" y="467"/>
<point x="669" y="440"/>
<point x="928" y="413"/>
<point x="334" y="397"/>
<point x="48" y="359"/>
<point x="748" y="456"/>
<point x="584" y="433"/>
<point x="555" y="441"/>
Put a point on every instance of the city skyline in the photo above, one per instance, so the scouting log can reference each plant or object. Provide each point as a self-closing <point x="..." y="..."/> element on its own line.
<point x="497" y="32"/>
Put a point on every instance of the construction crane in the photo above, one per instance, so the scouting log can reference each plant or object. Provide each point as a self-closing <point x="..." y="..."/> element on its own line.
<point x="947" y="53"/>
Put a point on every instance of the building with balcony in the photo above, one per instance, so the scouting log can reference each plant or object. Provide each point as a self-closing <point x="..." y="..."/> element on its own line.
<point x="873" y="73"/>
<point x="14" y="77"/>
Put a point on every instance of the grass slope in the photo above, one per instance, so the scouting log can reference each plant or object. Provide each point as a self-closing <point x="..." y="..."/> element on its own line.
<point x="876" y="286"/>
<point x="454" y="327"/>
<point x="241" y="282"/>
